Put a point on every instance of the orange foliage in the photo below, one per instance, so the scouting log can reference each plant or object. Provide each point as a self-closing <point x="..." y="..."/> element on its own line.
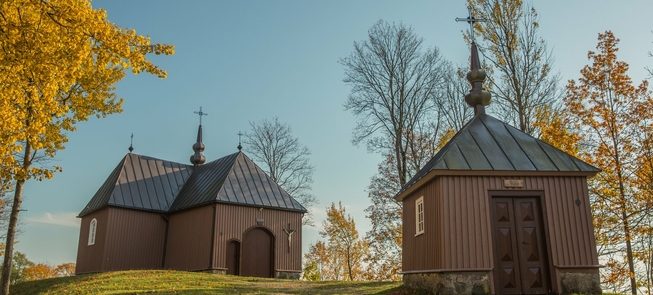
<point x="39" y="272"/>
<point x="612" y="115"/>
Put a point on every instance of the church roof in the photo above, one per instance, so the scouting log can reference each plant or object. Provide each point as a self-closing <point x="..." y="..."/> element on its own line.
<point x="234" y="179"/>
<point x="487" y="144"/>
<point x="141" y="182"/>
<point x="150" y="184"/>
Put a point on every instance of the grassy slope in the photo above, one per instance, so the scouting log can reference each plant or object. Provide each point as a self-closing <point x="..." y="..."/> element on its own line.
<point x="178" y="282"/>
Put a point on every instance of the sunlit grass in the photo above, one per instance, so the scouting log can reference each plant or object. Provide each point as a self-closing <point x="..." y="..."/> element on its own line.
<point x="179" y="282"/>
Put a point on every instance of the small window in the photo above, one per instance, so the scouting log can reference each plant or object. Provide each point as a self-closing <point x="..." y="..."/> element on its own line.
<point x="419" y="216"/>
<point x="91" y="232"/>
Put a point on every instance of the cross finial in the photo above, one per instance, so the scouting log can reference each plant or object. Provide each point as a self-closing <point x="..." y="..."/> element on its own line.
<point x="240" y="147"/>
<point x="471" y="21"/>
<point x="200" y="113"/>
<point x="131" y="144"/>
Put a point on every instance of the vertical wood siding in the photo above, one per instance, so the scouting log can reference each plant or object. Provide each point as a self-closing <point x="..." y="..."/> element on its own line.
<point x="189" y="239"/>
<point x="232" y="221"/>
<point x="458" y="226"/>
<point x="134" y="240"/>
<point x="91" y="258"/>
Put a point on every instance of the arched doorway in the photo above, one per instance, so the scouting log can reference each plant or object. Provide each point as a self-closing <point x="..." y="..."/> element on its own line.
<point x="258" y="253"/>
<point x="233" y="257"/>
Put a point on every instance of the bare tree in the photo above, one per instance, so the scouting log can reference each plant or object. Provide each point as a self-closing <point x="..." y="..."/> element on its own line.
<point x="454" y="112"/>
<point x="393" y="83"/>
<point x="520" y="66"/>
<point x="272" y="144"/>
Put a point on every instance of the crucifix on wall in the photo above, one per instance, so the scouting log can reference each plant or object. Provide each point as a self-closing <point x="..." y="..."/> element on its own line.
<point x="289" y="232"/>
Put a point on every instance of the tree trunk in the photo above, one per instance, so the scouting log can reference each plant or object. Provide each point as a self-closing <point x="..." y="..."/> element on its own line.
<point x="629" y="253"/>
<point x="13" y="224"/>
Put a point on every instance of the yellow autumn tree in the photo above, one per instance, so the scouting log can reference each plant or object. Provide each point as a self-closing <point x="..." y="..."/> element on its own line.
<point x="59" y="63"/>
<point x="39" y="271"/>
<point x="610" y="113"/>
<point x="556" y="128"/>
<point x="345" y="249"/>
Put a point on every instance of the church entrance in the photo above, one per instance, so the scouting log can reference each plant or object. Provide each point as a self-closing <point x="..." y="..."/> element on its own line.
<point x="258" y="253"/>
<point x="233" y="258"/>
<point x="520" y="253"/>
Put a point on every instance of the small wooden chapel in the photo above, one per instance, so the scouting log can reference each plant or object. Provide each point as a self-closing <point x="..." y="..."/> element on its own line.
<point x="226" y="216"/>
<point x="497" y="211"/>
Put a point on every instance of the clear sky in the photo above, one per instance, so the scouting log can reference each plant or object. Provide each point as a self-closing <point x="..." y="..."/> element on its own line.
<point x="251" y="60"/>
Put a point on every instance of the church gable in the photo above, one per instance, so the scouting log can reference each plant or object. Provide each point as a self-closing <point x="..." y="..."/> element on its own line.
<point x="141" y="182"/>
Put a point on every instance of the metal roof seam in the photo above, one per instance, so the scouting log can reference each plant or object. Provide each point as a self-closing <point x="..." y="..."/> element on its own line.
<point x="497" y="142"/>
<point x="135" y="182"/>
<point x="165" y="198"/>
<point x="226" y="177"/>
<point x="117" y="182"/>
<point x="538" y="142"/>
<point x="482" y="152"/>
<point x="144" y="183"/>
<point x="256" y="169"/>
<point x="244" y="178"/>
<point x="520" y="146"/>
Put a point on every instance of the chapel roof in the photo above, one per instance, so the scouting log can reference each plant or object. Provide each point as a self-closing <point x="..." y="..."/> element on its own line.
<point x="234" y="179"/>
<point x="141" y="182"/>
<point x="488" y="144"/>
<point x="150" y="184"/>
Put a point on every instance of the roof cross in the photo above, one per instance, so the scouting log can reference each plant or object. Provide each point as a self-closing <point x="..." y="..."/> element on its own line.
<point x="471" y="21"/>
<point x="131" y="144"/>
<point x="200" y="113"/>
<point x="240" y="147"/>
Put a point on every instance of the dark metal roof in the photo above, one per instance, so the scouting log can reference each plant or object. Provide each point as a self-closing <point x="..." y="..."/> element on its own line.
<point x="146" y="183"/>
<point x="234" y="179"/>
<point x="141" y="182"/>
<point x="487" y="144"/>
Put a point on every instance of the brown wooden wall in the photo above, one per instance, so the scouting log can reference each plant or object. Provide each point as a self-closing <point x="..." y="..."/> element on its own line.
<point x="232" y="221"/>
<point x="90" y="258"/>
<point x="189" y="239"/>
<point x="124" y="239"/>
<point x="134" y="240"/>
<point x="459" y="222"/>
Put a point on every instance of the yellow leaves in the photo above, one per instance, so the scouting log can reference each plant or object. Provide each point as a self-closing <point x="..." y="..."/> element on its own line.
<point x="60" y="61"/>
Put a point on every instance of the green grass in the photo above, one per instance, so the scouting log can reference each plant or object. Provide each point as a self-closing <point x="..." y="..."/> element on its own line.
<point x="180" y="282"/>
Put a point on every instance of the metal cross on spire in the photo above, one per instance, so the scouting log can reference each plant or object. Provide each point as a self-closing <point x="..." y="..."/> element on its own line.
<point x="200" y="113"/>
<point x="131" y="144"/>
<point x="471" y="21"/>
<point x="240" y="147"/>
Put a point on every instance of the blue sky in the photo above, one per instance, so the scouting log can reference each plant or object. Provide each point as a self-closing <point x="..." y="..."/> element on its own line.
<point x="250" y="60"/>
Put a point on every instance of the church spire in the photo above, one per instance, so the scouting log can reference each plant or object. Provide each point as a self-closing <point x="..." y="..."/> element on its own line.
<point x="198" y="158"/>
<point x="477" y="97"/>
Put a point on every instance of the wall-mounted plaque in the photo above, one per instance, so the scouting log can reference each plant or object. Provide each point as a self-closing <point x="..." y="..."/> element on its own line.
<point x="513" y="183"/>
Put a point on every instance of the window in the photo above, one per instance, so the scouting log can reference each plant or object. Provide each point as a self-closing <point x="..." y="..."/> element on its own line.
<point x="419" y="216"/>
<point x="91" y="232"/>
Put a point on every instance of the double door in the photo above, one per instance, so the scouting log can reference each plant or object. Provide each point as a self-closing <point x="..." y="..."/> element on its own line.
<point x="521" y="263"/>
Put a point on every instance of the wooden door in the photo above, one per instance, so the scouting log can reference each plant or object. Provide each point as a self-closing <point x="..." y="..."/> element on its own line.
<point x="257" y="258"/>
<point x="233" y="258"/>
<point x="521" y="263"/>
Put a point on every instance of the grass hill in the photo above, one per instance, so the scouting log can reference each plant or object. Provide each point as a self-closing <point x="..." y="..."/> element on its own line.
<point x="180" y="282"/>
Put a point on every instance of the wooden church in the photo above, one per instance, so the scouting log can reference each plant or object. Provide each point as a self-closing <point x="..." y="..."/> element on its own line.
<point x="226" y="216"/>
<point x="497" y="211"/>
